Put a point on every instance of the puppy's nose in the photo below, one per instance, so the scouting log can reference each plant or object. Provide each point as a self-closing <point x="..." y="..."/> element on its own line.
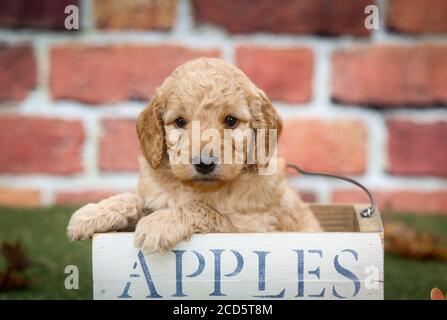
<point x="206" y="165"/>
<point x="204" y="168"/>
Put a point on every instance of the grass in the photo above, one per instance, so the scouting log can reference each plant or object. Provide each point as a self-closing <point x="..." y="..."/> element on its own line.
<point x="410" y="279"/>
<point x="42" y="232"/>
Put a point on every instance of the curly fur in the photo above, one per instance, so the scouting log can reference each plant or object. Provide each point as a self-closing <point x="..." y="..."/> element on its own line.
<point x="172" y="203"/>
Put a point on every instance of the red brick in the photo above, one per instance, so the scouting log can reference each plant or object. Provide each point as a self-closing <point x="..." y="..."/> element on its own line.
<point x="135" y="14"/>
<point x="81" y="197"/>
<point x="417" y="148"/>
<point x="308" y="196"/>
<point x="45" y="14"/>
<point x="427" y="202"/>
<point x="283" y="73"/>
<point x="416" y="16"/>
<point x="19" y="197"/>
<point x="40" y="145"/>
<point x="329" y="146"/>
<point x="119" y="148"/>
<point x="359" y="196"/>
<point x="115" y="73"/>
<point x="18" y="73"/>
<point x="286" y="16"/>
<point x="387" y="76"/>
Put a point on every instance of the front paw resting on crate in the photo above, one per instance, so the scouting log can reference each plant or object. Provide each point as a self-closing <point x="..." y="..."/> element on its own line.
<point x="161" y="231"/>
<point x="116" y="213"/>
<point x="164" y="229"/>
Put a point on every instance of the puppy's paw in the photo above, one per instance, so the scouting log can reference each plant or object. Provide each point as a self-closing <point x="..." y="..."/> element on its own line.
<point x="91" y="219"/>
<point x="160" y="232"/>
<point x="111" y="214"/>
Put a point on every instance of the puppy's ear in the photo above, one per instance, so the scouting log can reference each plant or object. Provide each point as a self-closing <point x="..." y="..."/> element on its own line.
<point x="271" y="116"/>
<point x="151" y="133"/>
<point x="266" y="117"/>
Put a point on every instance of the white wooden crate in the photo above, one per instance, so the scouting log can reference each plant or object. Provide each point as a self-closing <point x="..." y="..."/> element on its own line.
<point x="346" y="262"/>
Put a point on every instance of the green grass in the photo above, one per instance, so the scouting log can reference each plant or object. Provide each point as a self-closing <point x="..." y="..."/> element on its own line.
<point x="42" y="232"/>
<point x="411" y="279"/>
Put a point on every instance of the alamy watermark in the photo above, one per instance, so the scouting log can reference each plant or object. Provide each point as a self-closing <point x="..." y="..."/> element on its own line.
<point x="237" y="146"/>
<point x="72" y="280"/>
<point x="72" y="19"/>
<point x="372" y="20"/>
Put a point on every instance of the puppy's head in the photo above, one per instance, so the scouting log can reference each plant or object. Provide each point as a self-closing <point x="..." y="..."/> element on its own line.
<point x="205" y="124"/>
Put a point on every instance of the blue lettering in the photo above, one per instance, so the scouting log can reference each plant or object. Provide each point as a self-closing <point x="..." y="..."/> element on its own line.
<point x="348" y="274"/>
<point x="261" y="276"/>
<point x="179" y="270"/>
<point x="147" y="275"/>
<point x="217" y="269"/>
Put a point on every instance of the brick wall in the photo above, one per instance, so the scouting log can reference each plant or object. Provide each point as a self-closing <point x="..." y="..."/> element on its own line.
<point x="370" y="104"/>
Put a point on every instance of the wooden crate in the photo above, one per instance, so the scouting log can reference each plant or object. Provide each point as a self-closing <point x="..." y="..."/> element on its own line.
<point x="344" y="262"/>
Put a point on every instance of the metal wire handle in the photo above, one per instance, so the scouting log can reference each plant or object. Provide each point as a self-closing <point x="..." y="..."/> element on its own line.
<point x="367" y="212"/>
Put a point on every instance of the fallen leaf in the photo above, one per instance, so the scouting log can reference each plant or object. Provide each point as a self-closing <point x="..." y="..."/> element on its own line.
<point x="15" y="255"/>
<point x="403" y="240"/>
<point x="16" y="262"/>
<point x="12" y="281"/>
<point x="436" y="294"/>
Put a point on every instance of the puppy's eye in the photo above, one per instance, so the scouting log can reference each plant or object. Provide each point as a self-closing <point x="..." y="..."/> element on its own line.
<point x="230" y="121"/>
<point x="180" y="122"/>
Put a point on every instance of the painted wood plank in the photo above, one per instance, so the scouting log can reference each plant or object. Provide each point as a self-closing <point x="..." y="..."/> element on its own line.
<point x="331" y="265"/>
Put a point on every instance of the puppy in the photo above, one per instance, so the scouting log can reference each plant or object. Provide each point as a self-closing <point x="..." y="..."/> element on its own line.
<point x="203" y="194"/>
